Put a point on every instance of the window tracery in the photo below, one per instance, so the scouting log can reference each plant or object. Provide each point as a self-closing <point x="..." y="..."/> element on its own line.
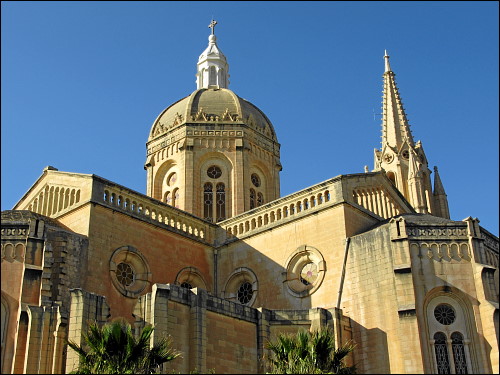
<point x="129" y="271"/>
<point x="245" y="293"/>
<point x="221" y="201"/>
<point x="241" y="286"/>
<point x="457" y="345"/>
<point x="447" y="323"/>
<point x="215" y="202"/>
<point x="256" y="195"/>
<point x="208" y="202"/>
<point x="444" y="314"/>
<point x="441" y="350"/>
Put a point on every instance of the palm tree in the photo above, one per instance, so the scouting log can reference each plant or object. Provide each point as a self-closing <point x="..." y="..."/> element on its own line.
<point x="113" y="349"/>
<point x="309" y="353"/>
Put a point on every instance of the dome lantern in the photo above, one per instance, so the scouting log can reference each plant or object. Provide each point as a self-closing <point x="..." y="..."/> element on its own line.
<point x="212" y="67"/>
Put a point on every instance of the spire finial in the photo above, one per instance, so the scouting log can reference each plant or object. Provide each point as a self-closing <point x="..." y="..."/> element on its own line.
<point x="212" y="25"/>
<point x="386" y="58"/>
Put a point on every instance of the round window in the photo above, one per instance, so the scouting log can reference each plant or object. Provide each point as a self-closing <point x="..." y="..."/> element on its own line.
<point x="245" y="292"/>
<point x="305" y="271"/>
<point x="309" y="274"/>
<point x="444" y="314"/>
<point x="255" y="180"/>
<point x="125" y="274"/>
<point x="214" y="172"/>
<point x="129" y="271"/>
<point x="406" y="154"/>
<point x="186" y="285"/>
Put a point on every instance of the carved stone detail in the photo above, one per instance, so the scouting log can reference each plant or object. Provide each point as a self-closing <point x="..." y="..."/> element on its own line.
<point x="437" y="232"/>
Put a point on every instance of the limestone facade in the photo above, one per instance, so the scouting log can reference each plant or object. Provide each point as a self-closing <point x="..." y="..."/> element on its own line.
<point x="374" y="256"/>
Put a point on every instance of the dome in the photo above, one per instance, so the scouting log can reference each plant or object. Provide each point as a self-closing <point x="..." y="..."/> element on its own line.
<point x="214" y="106"/>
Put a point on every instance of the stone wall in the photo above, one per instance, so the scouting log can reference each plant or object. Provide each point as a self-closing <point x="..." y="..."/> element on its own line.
<point x="224" y="336"/>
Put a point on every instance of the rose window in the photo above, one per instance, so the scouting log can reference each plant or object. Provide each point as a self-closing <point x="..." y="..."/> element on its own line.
<point x="444" y="314"/>
<point x="125" y="274"/>
<point x="255" y="180"/>
<point x="214" y="172"/>
<point x="245" y="292"/>
<point x="129" y="271"/>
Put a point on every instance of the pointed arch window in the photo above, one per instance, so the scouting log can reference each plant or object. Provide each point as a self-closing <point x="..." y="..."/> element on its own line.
<point x="221" y="201"/>
<point x="208" y="201"/>
<point x="443" y="362"/>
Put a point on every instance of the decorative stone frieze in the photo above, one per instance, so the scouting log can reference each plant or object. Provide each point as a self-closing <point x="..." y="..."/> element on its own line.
<point x="430" y="232"/>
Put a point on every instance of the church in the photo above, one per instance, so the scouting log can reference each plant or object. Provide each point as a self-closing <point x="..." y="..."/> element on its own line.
<point x="214" y="257"/>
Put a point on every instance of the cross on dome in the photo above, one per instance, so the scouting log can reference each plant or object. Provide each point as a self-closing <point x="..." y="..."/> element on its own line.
<point x="212" y="26"/>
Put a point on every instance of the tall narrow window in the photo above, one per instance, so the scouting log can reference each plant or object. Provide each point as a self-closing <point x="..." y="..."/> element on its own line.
<point x="252" y="198"/>
<point x="168" y="198"/>
<point x="260" y="199"/>
<point x="212" y="76"/>
<point x="457" y="344"/>
<point x="176" y="198"/>
<point x="208" y="201"/>
<point x="221" y="201"/>
<point x="442" y="359"/>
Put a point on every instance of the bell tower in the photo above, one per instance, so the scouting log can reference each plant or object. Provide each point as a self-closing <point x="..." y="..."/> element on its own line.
<point x="403" y="160"/>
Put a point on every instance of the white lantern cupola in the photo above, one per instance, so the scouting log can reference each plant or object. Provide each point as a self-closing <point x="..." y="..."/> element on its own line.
<point x="213" y="70"/>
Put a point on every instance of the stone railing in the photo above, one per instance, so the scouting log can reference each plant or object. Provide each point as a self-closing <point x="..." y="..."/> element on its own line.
<point x="371" y="191"/>
<point x="283" y="209"/>
<point x="136" y="204"/>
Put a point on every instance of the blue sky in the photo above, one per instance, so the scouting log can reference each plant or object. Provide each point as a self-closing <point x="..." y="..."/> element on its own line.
<point x="82" y="83"/>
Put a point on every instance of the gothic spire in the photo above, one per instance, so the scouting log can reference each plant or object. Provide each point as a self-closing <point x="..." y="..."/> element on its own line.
<point x="395" y="127"/>
<point x="212" y="68"/>
<point x="440" y="198"/>
<point x="438" y="185"/>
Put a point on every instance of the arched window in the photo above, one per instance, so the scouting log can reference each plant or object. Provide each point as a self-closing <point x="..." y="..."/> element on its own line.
<point x="216" y="198"/>
<point x="260" y="199"/>
<point x="448" y="333"/>
<point x="457" y="344"/>
<point x="208" y="202"/>
<point x="168" y="198"/>
<point x="252" y="198"/>
<point x="442" y="359"/>
<point x="221" y="201"/>
<point x="176" y="198"/>
<point x="212" y="76"/>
